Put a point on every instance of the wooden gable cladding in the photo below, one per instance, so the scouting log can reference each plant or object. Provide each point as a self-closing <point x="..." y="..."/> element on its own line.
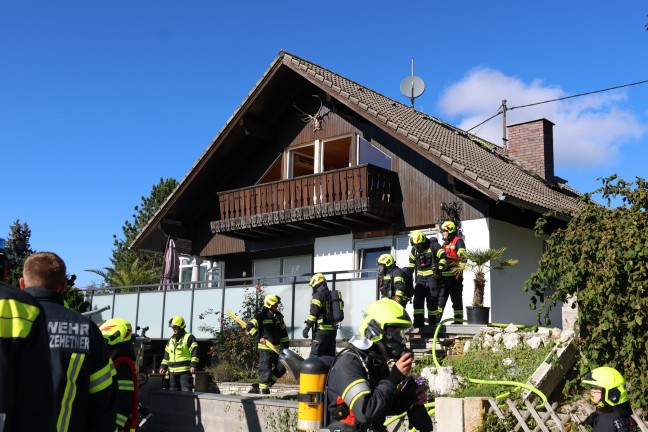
<point x="332" y="125"/>
<point x="333" y="201"/>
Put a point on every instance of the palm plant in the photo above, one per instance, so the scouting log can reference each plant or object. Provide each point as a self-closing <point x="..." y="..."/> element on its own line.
<point x="134" y="274"/>
<point x="480" y="262"/>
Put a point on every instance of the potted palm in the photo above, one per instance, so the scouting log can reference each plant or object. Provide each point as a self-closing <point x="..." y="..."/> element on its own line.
<point x="480" y="262"/>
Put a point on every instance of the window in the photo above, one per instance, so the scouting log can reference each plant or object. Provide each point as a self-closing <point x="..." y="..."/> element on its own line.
<point x="208" y="271"/>
<point x="367" y="153"/>
<point x="336" y="154"/>
<point x="302" y="161"/>
<point x="367" y="252"/>
<point x="285" y="266"/>
<point x="368" y="258"/>
<point x="320" y="156"/>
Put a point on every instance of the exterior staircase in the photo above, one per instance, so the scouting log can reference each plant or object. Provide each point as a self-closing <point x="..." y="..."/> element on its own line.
<point x="421" y="340"/>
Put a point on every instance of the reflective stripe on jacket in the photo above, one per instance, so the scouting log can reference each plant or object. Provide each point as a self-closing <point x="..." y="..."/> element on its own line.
<point x="271" y="327"/>
<point x="181" y="353"/>
<point x="429" y="262"/>
<point x="320" y="309"/>
<point x="25" y="378"/>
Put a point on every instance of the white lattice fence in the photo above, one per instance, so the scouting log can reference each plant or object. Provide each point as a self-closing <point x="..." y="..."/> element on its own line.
<point x="546" y="419"/>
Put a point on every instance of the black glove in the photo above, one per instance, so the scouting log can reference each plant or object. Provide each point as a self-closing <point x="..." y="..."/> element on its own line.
<point x="419" y="418"/>
<point x="306" y="330"/>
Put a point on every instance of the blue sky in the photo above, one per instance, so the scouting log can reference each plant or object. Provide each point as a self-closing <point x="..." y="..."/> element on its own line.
<point x="99" y="100"/>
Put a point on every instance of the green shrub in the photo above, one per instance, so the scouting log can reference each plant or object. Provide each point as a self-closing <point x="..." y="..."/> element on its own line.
<point x="232" y="346"/>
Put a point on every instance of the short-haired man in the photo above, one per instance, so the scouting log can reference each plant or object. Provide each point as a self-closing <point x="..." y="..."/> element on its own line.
<point x="85" y="393"/>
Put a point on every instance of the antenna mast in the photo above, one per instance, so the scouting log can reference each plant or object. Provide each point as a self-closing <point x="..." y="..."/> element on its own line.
<point x="504" y="140"/>
<point x="412" y="86"/>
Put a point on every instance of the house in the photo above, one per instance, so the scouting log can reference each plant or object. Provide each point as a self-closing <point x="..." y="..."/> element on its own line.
<point x="317" y="173"/>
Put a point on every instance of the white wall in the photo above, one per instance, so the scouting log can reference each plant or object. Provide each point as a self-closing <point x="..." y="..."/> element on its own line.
<point x="509" y="303"/>
<point x="476" y="234"/>
<point x="333" y="253"/>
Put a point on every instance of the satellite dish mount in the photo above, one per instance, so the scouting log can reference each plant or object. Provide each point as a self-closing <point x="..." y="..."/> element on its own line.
<point x="412" y="86"/>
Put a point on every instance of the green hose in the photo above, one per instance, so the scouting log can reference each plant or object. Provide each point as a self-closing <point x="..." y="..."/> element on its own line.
<point x="488" y="382"/>
<point x="518" y="385"/>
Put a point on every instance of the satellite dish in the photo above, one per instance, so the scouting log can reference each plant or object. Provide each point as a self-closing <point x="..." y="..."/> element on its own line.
<point x="412" y="86"/>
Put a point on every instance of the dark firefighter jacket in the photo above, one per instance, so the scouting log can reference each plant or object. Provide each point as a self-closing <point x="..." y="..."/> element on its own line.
<point x="362" y="391"/>
<point x="271" y="327"/>
<point x="85" y="392"/>
<point x="612" y="419"/>
<point x="321" y="315"/>
<point x="181" y="353"/>
<point x="25" y="381"/>
<point x="392" y="285"/>
<point x="432" y="261"/>
<point x="127" y="401"/>
<point x="454" y="248"/>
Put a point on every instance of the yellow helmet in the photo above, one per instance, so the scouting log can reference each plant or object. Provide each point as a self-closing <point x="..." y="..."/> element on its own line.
<point x="612" y="383"/>
<point x="115" y="331"/>
<point x="316" y="280"/>
<point x="449" y="226"/>
<point x="177" y="321"/>
<point x="271" y="300"/>
<point x="386" y="259"/>
<point x="417" y="237"/>
<point x="381" y="314"/>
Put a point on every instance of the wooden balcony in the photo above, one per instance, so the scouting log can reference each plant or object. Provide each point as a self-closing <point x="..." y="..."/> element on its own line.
<point x="360" y="197"/>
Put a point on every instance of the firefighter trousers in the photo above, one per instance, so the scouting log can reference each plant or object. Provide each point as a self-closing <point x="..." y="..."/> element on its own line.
<point x="453" y="289"/>
<point x="270" y="370"/>
<point x="427" y="290"/>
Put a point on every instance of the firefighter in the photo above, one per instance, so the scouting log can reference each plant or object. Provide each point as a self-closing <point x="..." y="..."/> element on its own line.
<point x="85" y="392"/>
<point x="609" y="394"/>
<point x="268" y="325"/>
<point x="455" y="250"/>
<point x="427" y="261"/>
<point x="362" y="390"/>
<point x="117" y="334"/>
<point x="180" y="356"/>
<point x="391" y="280"/>
<point x="25" y="382"/>
<point x="320" y="319"/>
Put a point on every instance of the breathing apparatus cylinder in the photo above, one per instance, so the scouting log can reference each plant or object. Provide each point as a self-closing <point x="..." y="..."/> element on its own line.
<point x="312" y="383"/>
<point x="337" y="306"/>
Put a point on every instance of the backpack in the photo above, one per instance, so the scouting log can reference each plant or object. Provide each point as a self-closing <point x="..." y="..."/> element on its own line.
<point x="334" y="306"/>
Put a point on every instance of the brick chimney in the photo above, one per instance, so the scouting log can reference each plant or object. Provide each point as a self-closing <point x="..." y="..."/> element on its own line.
<point x="531" y="143"/>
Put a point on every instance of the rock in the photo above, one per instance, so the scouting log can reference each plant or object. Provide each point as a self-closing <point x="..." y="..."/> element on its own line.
<point x="443" y="380"/>
<point x="534" y="342"/>
<point x="511" y="328"/>
<point x="511" y="340"/>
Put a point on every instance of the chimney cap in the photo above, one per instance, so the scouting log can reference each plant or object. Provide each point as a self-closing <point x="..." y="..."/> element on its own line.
<point x="532" y="121"/>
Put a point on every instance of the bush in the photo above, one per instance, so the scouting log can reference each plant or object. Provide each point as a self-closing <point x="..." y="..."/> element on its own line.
<point x="228" y="372"/>
<point x="233" y="348"/>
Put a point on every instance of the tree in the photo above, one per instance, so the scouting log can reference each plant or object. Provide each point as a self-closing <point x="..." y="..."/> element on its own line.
<point x="480" y="262"/>
<point x="18" y="248"/>
<point x="601" y="260"/>
<point x="131" y="267"/>
<point x="74" y="297"/>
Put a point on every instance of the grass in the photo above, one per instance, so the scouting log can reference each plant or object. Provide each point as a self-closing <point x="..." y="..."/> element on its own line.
<point x="517" y="364"/>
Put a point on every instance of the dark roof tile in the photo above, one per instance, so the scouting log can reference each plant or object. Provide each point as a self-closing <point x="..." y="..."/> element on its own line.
<point x="471" y="157"/>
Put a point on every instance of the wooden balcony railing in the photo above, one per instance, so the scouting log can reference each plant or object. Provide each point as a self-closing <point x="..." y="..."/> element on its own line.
<point x="360" y="189"/>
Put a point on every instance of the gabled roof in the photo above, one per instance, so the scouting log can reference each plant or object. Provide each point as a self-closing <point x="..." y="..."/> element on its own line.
<point x="479" y="164"/>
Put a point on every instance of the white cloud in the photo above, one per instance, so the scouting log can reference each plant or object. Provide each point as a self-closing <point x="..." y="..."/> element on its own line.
<point x="588" y="130"/>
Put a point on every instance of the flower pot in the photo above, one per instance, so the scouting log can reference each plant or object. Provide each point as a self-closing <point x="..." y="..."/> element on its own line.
<point x="477" y="314"/>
